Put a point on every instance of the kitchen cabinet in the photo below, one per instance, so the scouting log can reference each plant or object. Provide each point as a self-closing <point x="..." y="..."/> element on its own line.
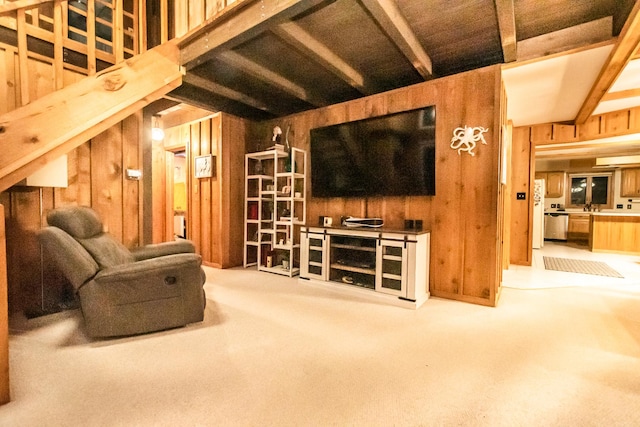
<point x="630" y="185"/>
<point x="579" y="226"/>
<point x="554" y="183"/>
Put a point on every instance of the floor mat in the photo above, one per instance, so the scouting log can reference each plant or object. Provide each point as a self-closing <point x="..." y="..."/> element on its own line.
<point x="580" y="266"/>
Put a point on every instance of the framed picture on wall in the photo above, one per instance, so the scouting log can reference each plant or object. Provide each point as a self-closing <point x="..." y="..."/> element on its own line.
<point x="203" y="166"/>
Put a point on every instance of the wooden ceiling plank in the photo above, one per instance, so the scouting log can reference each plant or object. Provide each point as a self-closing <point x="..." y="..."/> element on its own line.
<point x="392" y="21"/>
<point x="9" y="7"/>
<point x="562" y="41"/>
<point x="623" y="94"/>
<point x="505" y="11"/>
<point x="53" y="125"/>
<point x="294" y="35"/>
<point x="224" y="91"/>
<point x="619" y="57"/>
<point x="270" y="77"/>
<point x="243" y="22"/>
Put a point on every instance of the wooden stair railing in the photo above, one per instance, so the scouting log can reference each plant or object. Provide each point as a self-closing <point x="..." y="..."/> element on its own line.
<point x="40" y="132"/>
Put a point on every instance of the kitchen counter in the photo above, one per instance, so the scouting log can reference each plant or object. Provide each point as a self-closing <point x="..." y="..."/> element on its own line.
<point x="615" y="232"/>
<point x="614" y="213"/>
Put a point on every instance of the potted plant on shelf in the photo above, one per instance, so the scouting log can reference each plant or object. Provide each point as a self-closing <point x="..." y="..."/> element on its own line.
<point x="285" y="262"/>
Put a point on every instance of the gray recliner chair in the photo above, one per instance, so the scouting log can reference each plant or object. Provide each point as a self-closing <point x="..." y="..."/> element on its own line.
<point x="124" y="292"/>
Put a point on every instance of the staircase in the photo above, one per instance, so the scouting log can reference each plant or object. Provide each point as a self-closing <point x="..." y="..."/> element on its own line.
<point x="33" y="135"/>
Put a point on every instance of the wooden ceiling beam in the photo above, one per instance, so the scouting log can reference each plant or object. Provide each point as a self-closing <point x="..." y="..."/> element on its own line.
<point x="619" y="57"/>
<point x="505" y="11"/>
<point x="242" y="21"/>
<point x="392" y="21"/>
<point x="272" y="78"/>
<point x="224" y="91"/>
<point x="294" y="35"/>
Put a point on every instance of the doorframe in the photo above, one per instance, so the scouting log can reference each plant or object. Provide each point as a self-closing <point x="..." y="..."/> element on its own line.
<point x="170" y="153"/>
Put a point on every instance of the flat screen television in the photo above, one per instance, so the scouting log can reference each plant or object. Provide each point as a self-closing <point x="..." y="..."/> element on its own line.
<point x="392" y="155"/>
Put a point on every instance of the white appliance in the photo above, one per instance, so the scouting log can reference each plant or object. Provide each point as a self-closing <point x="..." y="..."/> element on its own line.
<point x="538" y="214"/>
<point x="180" y="226"/>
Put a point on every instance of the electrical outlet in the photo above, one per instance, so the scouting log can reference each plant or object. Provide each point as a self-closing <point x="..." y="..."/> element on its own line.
<point x="553" y="205"/>
<point x="521" y="196"/>
<point x="619" y="206"/>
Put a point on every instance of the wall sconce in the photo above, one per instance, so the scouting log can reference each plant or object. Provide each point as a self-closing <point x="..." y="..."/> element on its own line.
<point x="133" y="174"/>
<point x="157" y="133"/>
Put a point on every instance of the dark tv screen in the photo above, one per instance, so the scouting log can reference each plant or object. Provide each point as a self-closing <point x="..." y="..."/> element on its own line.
<point x="392" y="155"/>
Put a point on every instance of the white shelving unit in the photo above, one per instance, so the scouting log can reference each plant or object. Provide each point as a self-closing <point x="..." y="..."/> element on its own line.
<point x="275" y="208"/>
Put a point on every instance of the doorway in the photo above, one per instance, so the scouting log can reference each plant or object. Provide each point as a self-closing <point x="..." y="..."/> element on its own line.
<point x="179" y="186"/>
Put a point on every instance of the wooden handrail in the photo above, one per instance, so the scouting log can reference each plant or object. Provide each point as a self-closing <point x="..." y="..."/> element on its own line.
<point x="6" y="8"/>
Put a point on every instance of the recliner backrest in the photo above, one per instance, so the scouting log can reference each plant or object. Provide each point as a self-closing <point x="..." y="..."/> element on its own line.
<point x="74" y="261"/>
<point x="83" y="224"/>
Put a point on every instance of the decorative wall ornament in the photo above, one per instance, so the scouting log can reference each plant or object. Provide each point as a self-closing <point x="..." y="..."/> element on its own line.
<point x="204" y="166"/>
<point x="466" y="138"/>
<point x="277" y="131"/>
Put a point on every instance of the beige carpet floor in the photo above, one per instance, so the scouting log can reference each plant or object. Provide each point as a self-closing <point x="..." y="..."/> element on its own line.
<point x="274" y="352"/>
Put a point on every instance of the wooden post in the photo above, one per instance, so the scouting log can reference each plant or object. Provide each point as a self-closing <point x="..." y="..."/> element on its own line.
<point x="140" y="26"/>
<point x="91" y="37"/>
<point x="164" y="21"/>
<point x="58" y="45"/>
<point x="23" y="57"/>
<point x="118" y="28"/>
<point x="4" y="315"/>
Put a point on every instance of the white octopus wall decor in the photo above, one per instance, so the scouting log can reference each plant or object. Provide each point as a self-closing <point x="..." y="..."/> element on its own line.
<point x="466" y="138"/>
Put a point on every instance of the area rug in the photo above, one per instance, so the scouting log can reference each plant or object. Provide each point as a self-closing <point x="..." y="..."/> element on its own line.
<point x="580" y="266"/>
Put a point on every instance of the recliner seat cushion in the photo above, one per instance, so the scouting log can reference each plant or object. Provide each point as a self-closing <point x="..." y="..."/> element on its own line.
<point x="107" y="251"/>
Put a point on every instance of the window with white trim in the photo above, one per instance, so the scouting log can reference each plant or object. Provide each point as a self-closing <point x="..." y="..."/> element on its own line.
<point x="590" y="189"/>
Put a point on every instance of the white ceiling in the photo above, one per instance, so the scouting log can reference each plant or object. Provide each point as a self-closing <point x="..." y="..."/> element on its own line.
<point x="553" y="89"/>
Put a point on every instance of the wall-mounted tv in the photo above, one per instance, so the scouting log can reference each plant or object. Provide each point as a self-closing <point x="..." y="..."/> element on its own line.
<point x="392" y="155"/>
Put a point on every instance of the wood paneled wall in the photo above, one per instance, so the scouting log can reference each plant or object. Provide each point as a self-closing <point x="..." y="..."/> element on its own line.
<point x="464" y="215"/>
<point x="522" y="157"/>
<point x="188" y="14"/>
<point x="39" y="72"/>
<point x="96" y="175"/>
<point x="215" y="205"/>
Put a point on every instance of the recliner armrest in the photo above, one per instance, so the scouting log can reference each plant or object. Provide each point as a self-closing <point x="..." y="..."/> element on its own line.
<point x="163" y="249"/>
<point x="140" y="270"/>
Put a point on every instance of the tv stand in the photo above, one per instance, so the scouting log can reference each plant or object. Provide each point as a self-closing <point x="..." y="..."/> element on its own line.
<point x="381" y="264"/>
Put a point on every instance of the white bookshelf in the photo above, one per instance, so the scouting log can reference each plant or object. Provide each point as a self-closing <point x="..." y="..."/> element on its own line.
<point x="275" y="208"/>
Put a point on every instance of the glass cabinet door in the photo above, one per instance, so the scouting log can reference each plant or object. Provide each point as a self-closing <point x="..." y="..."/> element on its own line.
<point x="392" y="274"/>
<point x="313" y="261"/>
